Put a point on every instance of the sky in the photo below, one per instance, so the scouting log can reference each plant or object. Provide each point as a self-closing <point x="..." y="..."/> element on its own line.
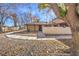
<point x="43" y="15"/>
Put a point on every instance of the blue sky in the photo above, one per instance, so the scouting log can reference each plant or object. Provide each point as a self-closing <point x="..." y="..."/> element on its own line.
<point x="43" y="15"/>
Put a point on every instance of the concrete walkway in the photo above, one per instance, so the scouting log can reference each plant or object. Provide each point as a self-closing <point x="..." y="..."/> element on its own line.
<point x="28" y="37"/>
<point x="21" y="37"/>
<point x="38" y="36"/>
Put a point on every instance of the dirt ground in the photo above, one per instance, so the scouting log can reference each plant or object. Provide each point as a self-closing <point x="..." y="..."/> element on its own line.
<point x="15" y="47"/>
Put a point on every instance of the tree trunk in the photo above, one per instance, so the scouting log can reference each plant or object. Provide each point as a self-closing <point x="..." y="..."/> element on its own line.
<point x="0" y="28"/>
<point x="15" y="23"/>
<point x="15" y="19"/>
<point x="75" y="41"/>
<point x="73" y="20"/>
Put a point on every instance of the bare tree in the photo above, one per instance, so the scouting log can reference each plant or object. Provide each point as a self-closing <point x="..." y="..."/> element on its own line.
<point x="3" y="14"/>
<point x="28" y="17"/>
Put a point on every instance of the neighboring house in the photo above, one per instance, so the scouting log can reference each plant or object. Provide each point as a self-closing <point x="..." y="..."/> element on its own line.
<point x="35" y="19"/>
<point x="5" y="29"/>
<point x="9" y="29"/>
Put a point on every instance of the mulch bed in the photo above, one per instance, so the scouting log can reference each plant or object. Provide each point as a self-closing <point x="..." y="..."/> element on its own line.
<point x="11" y="47"/>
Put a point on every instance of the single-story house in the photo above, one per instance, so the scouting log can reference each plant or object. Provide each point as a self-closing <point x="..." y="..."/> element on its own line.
<point x="9" y="29"/>
<point x="37" y="26"/>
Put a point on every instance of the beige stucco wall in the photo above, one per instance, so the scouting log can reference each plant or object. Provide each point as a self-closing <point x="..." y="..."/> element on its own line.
<point x="56" y="30"/>
<point x="32" y="27"/>
<point x="6" y="29"/>
<point x="36" y="28"/>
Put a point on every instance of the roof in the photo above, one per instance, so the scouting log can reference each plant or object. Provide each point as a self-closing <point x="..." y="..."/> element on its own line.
<point x="58" y="21"/>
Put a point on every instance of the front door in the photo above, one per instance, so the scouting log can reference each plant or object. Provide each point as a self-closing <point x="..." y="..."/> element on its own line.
<point x="40" y="28"/>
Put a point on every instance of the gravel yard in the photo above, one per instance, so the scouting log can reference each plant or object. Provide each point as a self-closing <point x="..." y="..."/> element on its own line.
<point x="10" y="47"/>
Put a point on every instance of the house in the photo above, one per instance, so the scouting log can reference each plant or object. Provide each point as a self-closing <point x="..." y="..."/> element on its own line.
<point x="9" y="29"/>
<point x="59" y="30"/>
<point x="5" y="29"/>
<point x="38" y="26"/>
